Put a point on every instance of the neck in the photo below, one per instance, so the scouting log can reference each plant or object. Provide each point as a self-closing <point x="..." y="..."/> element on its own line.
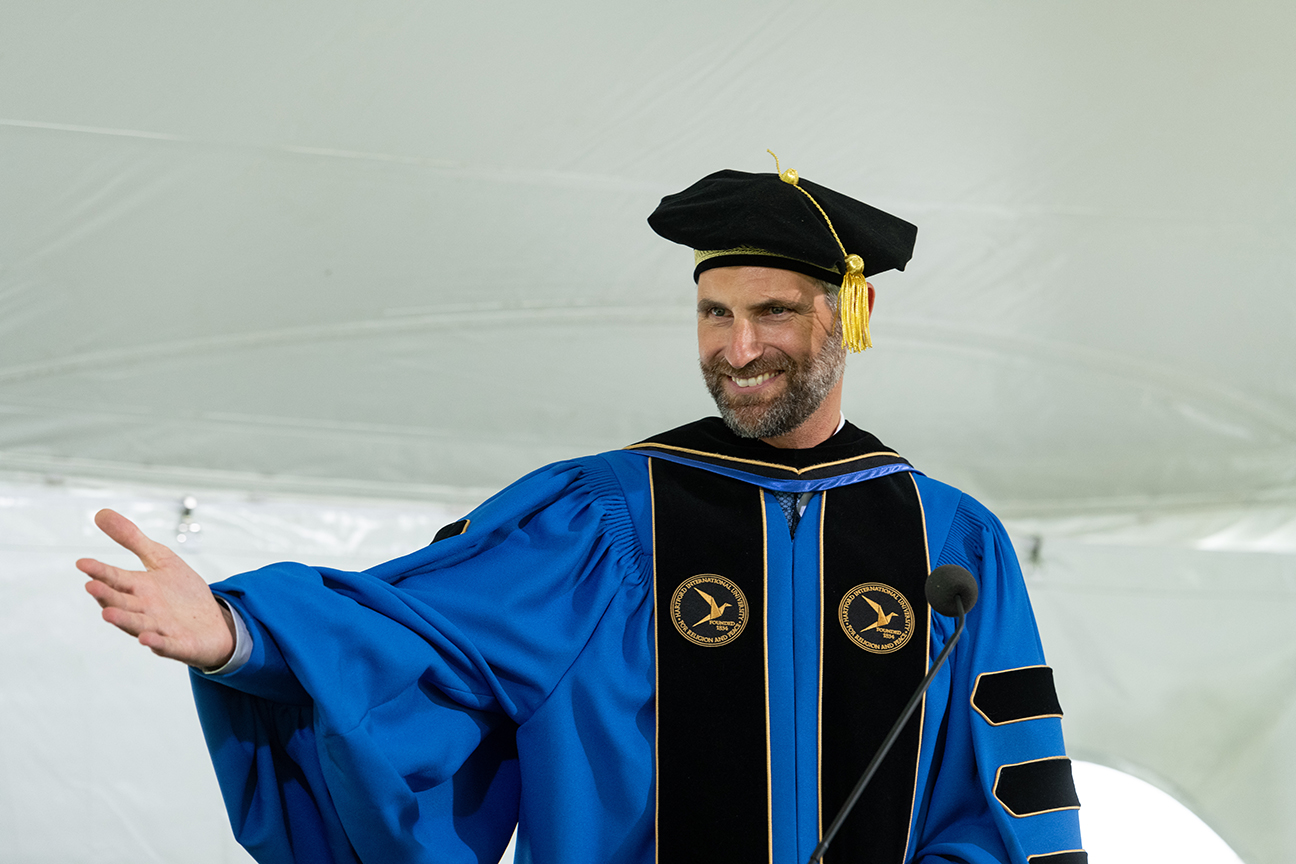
<point x="817" y="428"/>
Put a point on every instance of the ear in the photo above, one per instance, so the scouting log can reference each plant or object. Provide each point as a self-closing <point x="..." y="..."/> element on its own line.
<point x="872" y="296"/>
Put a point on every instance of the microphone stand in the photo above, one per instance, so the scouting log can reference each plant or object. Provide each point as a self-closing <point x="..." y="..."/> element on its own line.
<point x="819" y="851"/>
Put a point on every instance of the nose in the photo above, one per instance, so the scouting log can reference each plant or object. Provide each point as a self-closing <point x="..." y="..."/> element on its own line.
<point x="744" y="344"/>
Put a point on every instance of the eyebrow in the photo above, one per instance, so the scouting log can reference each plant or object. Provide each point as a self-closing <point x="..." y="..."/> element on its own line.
<point x="707" y="303"/>
<point x="794" y="305"/>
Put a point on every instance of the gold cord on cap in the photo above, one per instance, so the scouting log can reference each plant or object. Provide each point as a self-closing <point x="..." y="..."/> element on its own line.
<point x="853" y="299"/>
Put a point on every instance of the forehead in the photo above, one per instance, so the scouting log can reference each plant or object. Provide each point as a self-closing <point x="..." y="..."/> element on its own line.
<point x="744" y="286"/>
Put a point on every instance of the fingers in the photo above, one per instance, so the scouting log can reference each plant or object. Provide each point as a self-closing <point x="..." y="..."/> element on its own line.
<point x="126" y="533"/>
<point x="90" y="567"/>
<point x="133" y="623"/>
<point x="156" y="642"/>
<point x="164" y="646"/>
<point x="176" y="646"/>
<point x="107" y="596"/>
<point x="114" y="577"/>
<point x="114" y="580"/>
<point x="138" y="624"/>
<point x="128" y="615"/>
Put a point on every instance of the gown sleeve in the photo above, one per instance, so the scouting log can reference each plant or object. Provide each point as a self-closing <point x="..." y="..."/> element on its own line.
<point x="1001" y="787"/>
<point x="375" y="719"/>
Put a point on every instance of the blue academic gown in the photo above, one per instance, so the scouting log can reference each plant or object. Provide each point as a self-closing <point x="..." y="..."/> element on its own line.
<point x="416" y="711"/>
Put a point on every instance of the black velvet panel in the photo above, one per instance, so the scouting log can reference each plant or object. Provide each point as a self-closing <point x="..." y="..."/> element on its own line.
<point x="729" y="209"/>
<point x="1016" y="694"/>
<point x="1074" y="857"/>
<point x="874" y="535"/>
<point x="454" y="529"/>
<point x="1036" y="787"/>
<point x="712" y="738"/>
<point x="709" y="441"/>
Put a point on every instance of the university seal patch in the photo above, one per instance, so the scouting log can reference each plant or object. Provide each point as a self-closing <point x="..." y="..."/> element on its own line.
<point x="876" y="617"/>
<point x="709" y="610"/>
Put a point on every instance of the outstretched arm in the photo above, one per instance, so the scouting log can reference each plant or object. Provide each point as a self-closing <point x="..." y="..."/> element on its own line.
<point x="168" y="606"/>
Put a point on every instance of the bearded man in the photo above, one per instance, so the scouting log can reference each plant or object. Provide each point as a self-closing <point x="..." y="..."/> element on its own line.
<point x="684" y="650"/>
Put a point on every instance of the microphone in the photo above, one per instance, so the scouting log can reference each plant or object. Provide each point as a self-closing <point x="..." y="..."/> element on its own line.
<point x="952" y="591"/>
<point x="948" y="583"/>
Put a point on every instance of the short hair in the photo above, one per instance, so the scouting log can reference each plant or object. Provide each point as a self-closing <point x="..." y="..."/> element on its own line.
<point x="832" y="290"/>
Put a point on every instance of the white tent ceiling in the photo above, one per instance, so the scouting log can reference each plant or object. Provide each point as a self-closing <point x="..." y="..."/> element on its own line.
<point x="398" y="250"/>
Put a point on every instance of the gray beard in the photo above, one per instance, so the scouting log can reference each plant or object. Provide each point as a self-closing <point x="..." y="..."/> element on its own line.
<point x="808" y="384"/>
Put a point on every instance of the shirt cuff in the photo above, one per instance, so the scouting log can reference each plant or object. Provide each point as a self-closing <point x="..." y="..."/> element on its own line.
<point x="242" y="644"/>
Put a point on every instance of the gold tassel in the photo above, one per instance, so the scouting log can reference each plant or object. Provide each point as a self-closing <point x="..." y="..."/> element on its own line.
<point x="853" y="301"/>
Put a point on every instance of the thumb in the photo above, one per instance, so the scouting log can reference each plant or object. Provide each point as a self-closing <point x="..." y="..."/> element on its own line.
<point x="127" y="534"/>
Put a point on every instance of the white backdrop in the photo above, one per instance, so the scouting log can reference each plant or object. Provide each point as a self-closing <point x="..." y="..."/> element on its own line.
<point x="397" y="252"/>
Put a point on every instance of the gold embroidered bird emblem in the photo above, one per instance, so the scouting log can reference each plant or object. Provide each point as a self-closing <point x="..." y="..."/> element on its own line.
<point x="883" y="620"/>
<point x="715" y="610"/>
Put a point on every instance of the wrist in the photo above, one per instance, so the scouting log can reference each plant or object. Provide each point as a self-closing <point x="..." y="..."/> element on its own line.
<point x="231" y="642"/>
<point x="231" y="631"/>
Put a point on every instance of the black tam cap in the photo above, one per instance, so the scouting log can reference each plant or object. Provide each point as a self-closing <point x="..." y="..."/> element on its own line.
<point x="735" y="213"/>
<point x="734" y="218"/>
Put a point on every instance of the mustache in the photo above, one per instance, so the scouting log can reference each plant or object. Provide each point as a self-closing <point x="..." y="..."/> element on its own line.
<point x="756" y="367"/>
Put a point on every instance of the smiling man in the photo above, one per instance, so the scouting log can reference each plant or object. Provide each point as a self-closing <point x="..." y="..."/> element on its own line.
<point x="686" y="650"/>
<point x="769" y="343"/>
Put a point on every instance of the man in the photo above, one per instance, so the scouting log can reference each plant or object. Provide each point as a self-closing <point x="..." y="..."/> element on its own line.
<point x="684" y="650"/>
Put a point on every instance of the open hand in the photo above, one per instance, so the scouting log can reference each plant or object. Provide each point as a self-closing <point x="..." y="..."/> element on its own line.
<point x="168" y="606"/>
